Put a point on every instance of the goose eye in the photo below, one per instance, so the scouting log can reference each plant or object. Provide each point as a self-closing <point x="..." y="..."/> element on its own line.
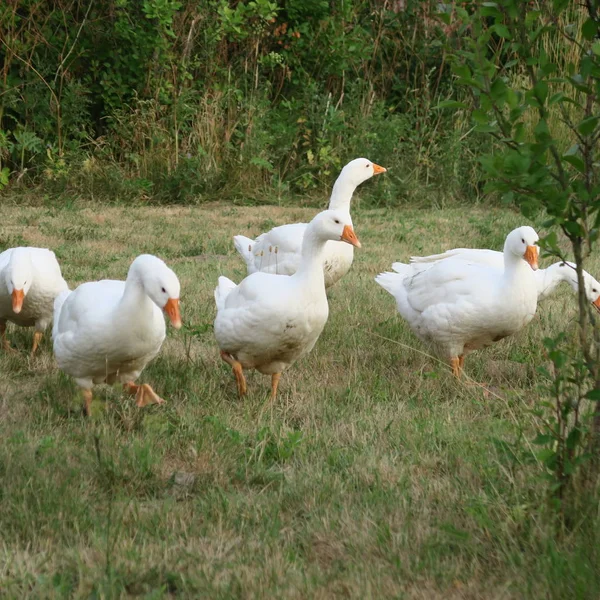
<point x="337" y="221"/>
<point x="522" y="240"/>
<point x="163" y="290"/>
<point x="594" y="290"/>
<point x="367" y="166"/>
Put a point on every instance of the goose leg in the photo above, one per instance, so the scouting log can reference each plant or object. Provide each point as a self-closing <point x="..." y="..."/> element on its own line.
<point x="274" y="383"/>
<point x="87" y="401"/>
<point x="143" y="393"/>
<point x="5" y="343"/>
<point x="456" y="366"/>
<point x="37" y="338"/>
<point x="238" y="371"/>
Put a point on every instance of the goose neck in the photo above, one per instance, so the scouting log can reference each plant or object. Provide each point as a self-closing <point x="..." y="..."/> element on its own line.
<point x="135" y="300"/>
<point x="341" y="194"/>
<point x="515" y="268"/>
<point x="311" y="263"/>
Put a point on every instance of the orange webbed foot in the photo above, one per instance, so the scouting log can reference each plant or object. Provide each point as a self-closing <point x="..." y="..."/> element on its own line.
<point x="144" y="394"/>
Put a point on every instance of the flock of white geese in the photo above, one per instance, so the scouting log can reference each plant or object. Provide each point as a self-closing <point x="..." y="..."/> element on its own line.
<point x="108" y="331"/>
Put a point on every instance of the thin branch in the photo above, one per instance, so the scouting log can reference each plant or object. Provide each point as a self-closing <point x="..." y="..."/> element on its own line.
<point x="64" y="60"/>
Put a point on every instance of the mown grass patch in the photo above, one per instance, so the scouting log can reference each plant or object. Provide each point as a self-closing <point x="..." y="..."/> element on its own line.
<point x="375" y="474"/>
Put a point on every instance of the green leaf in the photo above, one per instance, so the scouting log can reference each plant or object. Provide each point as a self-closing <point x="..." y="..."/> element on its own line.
<point x="508" y="198"/>
<point x="498" y="90"/>
<point x="461" y="70"/>
<point x="479" y="116"/>
<point x="589" y="29"/>
<point x="596" y="48"/>
<point x="444" y="17"/>
<point x="573" y="438"/>
<point x="545" y="455"/>
<point x="531" y="17"/>
<point x="502" y="31"/>
<point x="573" y="229"/>
<point x="560" y="5"/>
<point x="519" y="132"/>
<point x="593" y="394"/>
<point x="575" y="161"/>
<point x="542" y="133"/>
<point x="558" y="97"/>
<point x="542" y="438"/>
<point x="588" y="125"/>
<point x="550" y="241"/>
<point x="485" y="128"/>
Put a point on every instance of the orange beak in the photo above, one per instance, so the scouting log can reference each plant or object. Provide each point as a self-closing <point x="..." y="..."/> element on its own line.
<point x="531" y="256"/>
<point x="349" y="236"/>
<point x="377" y="169"/>
<point x="596" y="303"/>
<point x="17" y="300"/>
<point x="171" y="308"/>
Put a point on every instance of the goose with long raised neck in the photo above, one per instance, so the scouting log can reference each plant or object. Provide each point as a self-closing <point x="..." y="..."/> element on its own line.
<point x="269" y="321"/>
<point x="108" y="331"/>
<point x="30" y="280"/>
<point x="459" y="306"/>
<point x="279" y="250"/>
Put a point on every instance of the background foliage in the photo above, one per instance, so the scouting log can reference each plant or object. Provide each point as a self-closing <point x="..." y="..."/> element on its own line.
<point x="181" y="100"/>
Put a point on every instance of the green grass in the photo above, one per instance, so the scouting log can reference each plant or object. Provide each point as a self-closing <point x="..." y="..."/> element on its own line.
<point x="375" y="474"/>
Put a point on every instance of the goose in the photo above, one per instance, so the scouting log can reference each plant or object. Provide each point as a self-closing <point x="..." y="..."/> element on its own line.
<point x="30" y="280"/>
<point x="268" y="321"/>
<point x="548" y="279"/>
<point x="108" y="331"/>
<point x="461" y="305"/>
<point x="279" y="250"/>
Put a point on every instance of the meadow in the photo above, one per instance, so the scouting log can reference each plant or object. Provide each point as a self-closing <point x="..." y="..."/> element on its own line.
<point x="375" y="474"/>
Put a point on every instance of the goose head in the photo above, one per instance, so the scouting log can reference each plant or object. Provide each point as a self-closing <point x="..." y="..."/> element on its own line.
<point x="592" y="285"/>
<point x="522" y="243"/>
<point x="19" y="277"/>
<point x="359" y="170"/>
<point x="159" y="283"/>
<point x="592" y="289"/>
<point x="334" y="225"/>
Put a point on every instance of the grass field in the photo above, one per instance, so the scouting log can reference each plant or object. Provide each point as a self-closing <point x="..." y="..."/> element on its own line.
<point x="375" y="474"/>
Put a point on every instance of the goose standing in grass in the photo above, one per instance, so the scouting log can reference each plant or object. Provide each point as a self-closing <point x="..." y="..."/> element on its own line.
<point x="269" y="321"/>
<point x="108" y="331"/>
<point x="30" y="280"/>
<point x="279" y="251"/>
<point x="460" y="306"/>
<point x="547" y="279"/>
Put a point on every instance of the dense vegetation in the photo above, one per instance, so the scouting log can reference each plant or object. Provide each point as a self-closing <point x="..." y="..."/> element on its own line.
<point x="186" y="100"/>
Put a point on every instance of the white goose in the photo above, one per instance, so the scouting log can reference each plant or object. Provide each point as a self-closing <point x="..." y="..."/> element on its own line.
<point x="30" y="280"/>
<point x="107" y="331"/>
<point x="279" y="250"/>
<point x="269" y="321"/>
<point x="461" y="305"/>
<point x="547" y="279"/>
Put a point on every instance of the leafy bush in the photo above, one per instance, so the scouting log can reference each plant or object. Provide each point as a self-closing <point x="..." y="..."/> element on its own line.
<point x="542" y="108"/>
<point x="195" y="99"/>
